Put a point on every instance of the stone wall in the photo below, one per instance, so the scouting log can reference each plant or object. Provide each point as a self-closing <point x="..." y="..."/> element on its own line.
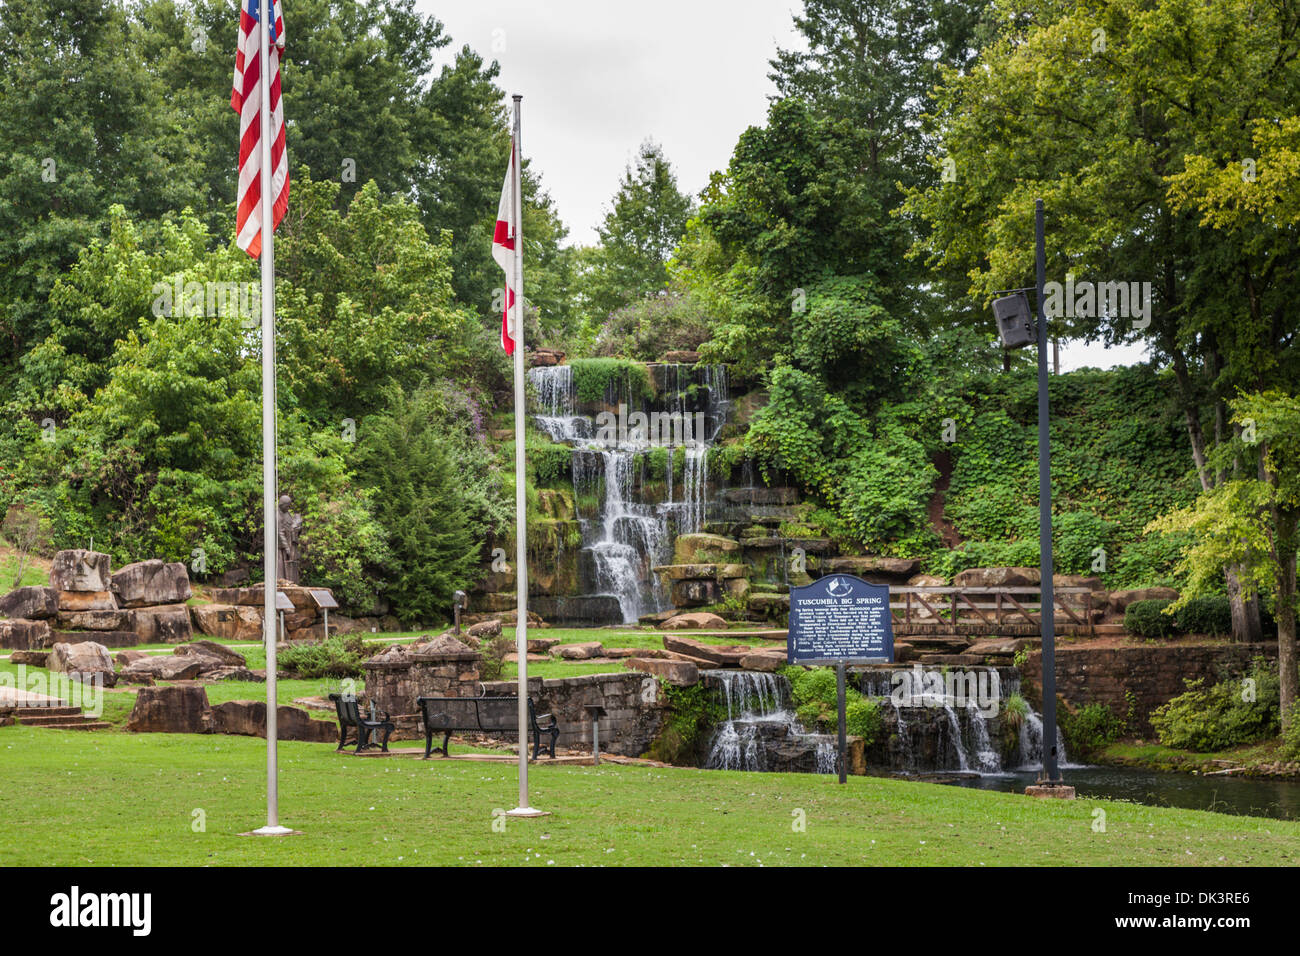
<point x="397" y="677"/>
<point x="632" y="700"/>
<point x="1153" y="674"/>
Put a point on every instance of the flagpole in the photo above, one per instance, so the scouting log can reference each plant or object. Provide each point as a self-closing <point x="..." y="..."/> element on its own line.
<point x="521" y="497"/>
<point x="269" y="508"/>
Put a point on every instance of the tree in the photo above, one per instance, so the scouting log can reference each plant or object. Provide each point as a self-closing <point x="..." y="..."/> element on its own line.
<point x="423" y="499"/>
<point x="1096" y="110"/>
<point x="640" y="229"/>
<point x="1251" y="522"/>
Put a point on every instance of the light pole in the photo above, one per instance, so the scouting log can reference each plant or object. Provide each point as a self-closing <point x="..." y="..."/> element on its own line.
<point x="1014" y="328"/>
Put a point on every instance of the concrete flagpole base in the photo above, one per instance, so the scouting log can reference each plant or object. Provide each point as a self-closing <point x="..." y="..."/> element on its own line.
<point x="527" y="812"/>
<point x="273" y="831"/>
<point x="1046" y="788"/>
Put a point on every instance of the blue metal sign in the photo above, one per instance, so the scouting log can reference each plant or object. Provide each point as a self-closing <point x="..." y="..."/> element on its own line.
<point x="840" y="618"/>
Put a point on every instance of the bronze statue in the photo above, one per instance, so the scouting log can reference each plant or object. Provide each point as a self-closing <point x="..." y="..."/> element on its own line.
<point x="290" y="530"/>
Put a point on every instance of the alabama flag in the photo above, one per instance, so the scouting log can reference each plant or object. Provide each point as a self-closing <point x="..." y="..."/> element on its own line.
<point x="503" y="248"/>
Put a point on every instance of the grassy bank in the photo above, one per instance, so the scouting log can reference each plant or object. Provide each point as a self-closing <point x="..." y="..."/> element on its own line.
<point x="117" y="798"/>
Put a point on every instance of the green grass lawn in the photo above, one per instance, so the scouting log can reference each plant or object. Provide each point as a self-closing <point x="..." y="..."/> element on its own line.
<point x="116" y="799"/>
<point x="33" y="572"/>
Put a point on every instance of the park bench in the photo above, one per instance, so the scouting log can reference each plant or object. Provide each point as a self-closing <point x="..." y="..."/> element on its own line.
<point x="498" y="716"/>
<point x="350" y="718"/>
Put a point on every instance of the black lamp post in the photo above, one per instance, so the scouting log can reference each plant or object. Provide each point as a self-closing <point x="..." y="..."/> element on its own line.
<point x="1016" y="330"/>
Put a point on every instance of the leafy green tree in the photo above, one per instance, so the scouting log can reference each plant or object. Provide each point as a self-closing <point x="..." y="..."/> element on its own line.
<point x="640" y="229"/>
<point x="1251" y="522"/>
<point x="1096" y="110"/>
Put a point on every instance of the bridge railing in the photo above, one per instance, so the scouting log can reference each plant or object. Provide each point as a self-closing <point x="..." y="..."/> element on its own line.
<point x="1010" y="610"/>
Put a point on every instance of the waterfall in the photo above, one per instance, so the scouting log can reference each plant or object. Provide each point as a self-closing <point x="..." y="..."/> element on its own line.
<point x="761" y="730"/>
<point x="626" y="534"/>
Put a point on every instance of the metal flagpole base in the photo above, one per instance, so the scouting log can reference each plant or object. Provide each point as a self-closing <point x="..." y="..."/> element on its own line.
<point x="527" y="812"/>
<point x="273" y="831"/>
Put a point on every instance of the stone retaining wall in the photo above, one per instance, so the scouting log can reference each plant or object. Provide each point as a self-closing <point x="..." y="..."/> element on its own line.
<point x="1153" y="674"/>
<point x="632" y="700"/>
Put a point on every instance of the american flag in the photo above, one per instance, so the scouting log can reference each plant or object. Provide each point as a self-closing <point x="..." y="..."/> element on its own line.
<point x="246" y="99"/>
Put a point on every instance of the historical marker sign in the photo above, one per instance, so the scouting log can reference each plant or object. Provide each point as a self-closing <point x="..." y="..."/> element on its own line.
<point x="840" y="618"/>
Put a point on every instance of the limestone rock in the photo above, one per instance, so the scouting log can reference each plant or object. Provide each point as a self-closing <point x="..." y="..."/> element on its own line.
<point x="724" y="655"/>
<point x="80" y="570"/>
<point x="33" y="603"/>
<point x="23" y="635"/>
<point x="212" y="649"/>
<point x="1119" y="600"/>
<point x="235" y="673"/>
<point x="695" y="621"/>
<point x="227" y="621"/>
<point x="542" y="645"/>
<point x="705" y="549"/>
<point x="678" y="673"/>
<point x="1089" y="581"/>
<point x="444" y="644"/>
<point x="30" y="658"/>
<point x="486" y="630"/>
<point x="152" y="582"/>
<point x="107" y="638"/>
<point x="768" y="660"/>
<point x="868" y="564"/>
<point x="996" y="578"/>
<point x="927" y="581"/>
<point x="164" y="624"/>
<point x="578" y="652"/>
<point x="248" y="718"/>
<point x="72" y="601"/>
<point x="96" y="620"/>
<point x="694" y="592"/>
<point x="127" y="658"/>
<point x="86" y="661"/>
<point x="162" y="667"/>
<point x="177" y="709"/>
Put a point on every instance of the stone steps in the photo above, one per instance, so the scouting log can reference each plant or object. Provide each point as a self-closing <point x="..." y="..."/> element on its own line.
<point x="57" y="718"/>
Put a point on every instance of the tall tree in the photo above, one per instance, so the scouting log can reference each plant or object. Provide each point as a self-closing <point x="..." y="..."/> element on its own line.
<point x="1096" y="109"/>
<point x="640" y="229"/>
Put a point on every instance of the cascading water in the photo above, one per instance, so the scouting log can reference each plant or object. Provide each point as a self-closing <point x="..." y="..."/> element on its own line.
<point x="761" y="732"/>
<point x="627" y="534"/>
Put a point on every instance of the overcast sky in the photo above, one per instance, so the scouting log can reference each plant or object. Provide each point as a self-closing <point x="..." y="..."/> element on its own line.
<point x="599" y="78"/>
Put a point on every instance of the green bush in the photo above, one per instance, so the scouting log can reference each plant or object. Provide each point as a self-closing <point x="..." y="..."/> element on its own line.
<point x="1232" y="712"/>
<point x="816" y="699"/>
<point x="594" y="377"/>
<point x="338" y="656"/>
<point x="1090" y="728"/>
<point x="1148" y="619"/>
<point x="1204" y="615"/>
<point x="693" y="713"/>
<point x="863" y="718"/>
<point x="1291" y="738"/>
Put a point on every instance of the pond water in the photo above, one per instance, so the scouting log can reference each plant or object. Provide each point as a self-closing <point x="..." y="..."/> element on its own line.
<point x="1279" y="799"/>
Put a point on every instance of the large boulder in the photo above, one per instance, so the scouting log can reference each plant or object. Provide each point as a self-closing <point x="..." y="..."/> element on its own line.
<point x="30" y="658"/>
<point x="165" y="624"/>
<point x="107" y="638"/>
<point x="769" y="660"/>
<point x="997" y="578"/>
<point x="705" y="549"/>
<point x="18" y="634"/>
<point x="80" y="570"/>
<point x="95" y="620"/>
<point x="77" y="601"/>
<point x="34" y="603"/>
<point x="227" y="621"/>
<point x="1119" y="600"/>
<point x="695" y="621"/>
<point x="152" y="582"/>
<point x="213" y="650"/>
<point x="583" y="651"/>
<point x="248" y="718"/>
<point x="487" y="630"/>
<point x="678" y="673"/>
<point x="163" y="667"/>
<point x="176" y="709"/>
<point x="872" y="564"/>
<point x="87" y="661"/>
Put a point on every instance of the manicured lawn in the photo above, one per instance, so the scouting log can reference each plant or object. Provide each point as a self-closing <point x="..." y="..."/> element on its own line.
<point x="117" y="798"/>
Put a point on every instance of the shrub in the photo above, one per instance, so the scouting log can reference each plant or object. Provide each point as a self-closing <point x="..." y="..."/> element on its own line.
<point x="817" y="700"/>
<point x="1090" y="728"/>
<point x="1205" y="615"/>
<point x="692" y="715"/>
<point x="863" y="718"/>
<point x="494" y="653"/>
<point x="1148" y="619"/>
<point x="337" y="656"/>
<point x="1232" y="712"/>
<point x="1291" y="739"/>
<point x="594" y="377"/>
<point x="1014" y="711"/>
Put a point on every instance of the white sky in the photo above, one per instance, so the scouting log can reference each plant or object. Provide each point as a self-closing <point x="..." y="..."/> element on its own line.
<point x="598" y="78"/>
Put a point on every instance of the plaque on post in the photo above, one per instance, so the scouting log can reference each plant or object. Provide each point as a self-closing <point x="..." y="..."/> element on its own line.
<point x="836" y="620"/>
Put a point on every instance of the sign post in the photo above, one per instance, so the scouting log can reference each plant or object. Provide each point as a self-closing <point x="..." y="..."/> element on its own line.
<point x="840" y="619"/>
